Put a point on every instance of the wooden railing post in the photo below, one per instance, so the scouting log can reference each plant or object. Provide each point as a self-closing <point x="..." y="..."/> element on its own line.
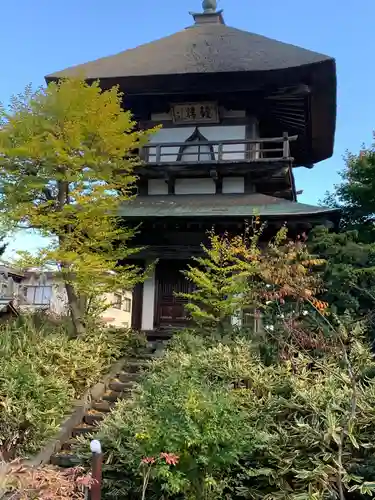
<point x="220" y="152"/>
<point x="158" y="153"/>
<point x="260" y="149"/>
<point x="96" y="470"/>
<point x="286" y="145"/>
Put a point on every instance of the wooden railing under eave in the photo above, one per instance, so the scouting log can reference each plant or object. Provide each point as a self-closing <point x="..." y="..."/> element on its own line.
<point x="270" y="149"/>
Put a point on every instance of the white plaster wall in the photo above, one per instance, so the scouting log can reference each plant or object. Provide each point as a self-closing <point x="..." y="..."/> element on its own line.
<point x="148" y="303"/>
<point x="211" y="133"/>
<point x="233" y="185"/>
<point x="118" y="318"/>
<point x="233" y="132"/>
<point x="9" y="285"/>
<point x="157" y="186"/>
<point x="195" y="186"/>
<point x="59" y="302"/>
<point x="169" y="135"/>
<point x="197" y="153"/>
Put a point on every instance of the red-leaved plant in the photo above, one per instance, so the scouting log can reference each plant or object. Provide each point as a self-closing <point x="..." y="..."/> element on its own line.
<point x="148" y="462"/>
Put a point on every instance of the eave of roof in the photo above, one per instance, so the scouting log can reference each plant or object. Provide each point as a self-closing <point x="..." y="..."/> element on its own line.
<point x="225" y="205"/>
<point x="5" y="270"/>
<point x="212" y="56"/>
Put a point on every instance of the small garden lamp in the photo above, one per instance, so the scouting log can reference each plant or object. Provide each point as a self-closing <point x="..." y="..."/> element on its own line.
<point x="96" y="469"/>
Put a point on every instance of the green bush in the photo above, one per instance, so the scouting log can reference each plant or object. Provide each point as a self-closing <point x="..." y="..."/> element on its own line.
<point x="41" y="372"/>
<point x="235" y="428"/>
<point x="185" y="407"/>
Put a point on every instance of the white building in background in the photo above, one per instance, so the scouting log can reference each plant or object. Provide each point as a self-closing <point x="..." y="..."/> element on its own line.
<point x="33" y="290"/>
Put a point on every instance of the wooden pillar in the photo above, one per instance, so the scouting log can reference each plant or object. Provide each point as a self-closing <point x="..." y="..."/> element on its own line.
<point x="137" y="307"/>
<point x="148" y="303"/>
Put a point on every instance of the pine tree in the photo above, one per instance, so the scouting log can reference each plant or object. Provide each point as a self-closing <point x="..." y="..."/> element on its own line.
<point x="350" y="270"/>
<point x="355" y="194"/>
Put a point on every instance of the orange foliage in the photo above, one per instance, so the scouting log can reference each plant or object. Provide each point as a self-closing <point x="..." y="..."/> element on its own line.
<point x="45" y="483"/>
<point x="284" y="266"/>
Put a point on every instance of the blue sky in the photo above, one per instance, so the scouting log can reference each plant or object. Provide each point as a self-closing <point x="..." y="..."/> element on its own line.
<point x="39" y="37"/>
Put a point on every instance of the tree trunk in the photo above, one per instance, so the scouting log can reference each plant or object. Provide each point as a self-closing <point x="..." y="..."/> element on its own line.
<point x="73" y="300"/>
<point x="75" y="310"/>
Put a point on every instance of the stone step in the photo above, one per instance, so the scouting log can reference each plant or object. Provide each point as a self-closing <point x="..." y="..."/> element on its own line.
<point x="127" y="394"/>
<point x="135" y="366"/>
<point x="68" y="445"/>
<point x="118" y="386"/>
<point x="103" y="405"/>
<point x="145" y="355"/>
<point x="111" y="396"/>
<point x="149" y="349"/>
<point x="152" y="345"/>
<point x="83" y="429"/>
<point x="65" y="460"/>
<point x="129" y="377"/>
<point x="159" y="335"/>
<point x="93" y="417"/>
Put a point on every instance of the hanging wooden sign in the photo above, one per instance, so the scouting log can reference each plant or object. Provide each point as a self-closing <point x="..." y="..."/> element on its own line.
<point x="195" y="112"/>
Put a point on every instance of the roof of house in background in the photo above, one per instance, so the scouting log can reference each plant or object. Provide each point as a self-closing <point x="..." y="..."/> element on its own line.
<point x="7" y="269"/>
<point x="7" y="305"/>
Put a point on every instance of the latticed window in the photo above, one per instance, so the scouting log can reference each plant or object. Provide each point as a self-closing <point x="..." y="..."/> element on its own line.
<point x="117" y="302"/>
<point x="195" y="149"/>
<point x="127" y="305"/>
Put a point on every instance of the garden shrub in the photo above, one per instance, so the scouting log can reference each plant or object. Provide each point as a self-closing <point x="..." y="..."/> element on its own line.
<point x="186" y="408"/>
<point x="217" y="423"/>
<point x="41" y="372"/>
<point x="283" y="413"/>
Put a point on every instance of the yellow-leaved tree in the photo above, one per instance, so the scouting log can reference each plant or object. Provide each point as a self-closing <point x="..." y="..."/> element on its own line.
<point x="68" y="158"/>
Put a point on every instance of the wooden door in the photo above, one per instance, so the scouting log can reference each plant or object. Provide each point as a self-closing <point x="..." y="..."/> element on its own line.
<point x="170" y="309"/>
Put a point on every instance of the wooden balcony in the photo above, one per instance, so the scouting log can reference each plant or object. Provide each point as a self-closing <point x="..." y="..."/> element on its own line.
<point x="268" y="150"/>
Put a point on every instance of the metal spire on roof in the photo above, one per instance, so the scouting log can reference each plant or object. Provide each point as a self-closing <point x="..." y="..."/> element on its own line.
<point x="209" y="6"/>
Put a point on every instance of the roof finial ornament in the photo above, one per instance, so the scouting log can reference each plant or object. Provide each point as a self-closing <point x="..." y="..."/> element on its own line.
<point x="210" y="14"/>
<point x="209" y="6"/>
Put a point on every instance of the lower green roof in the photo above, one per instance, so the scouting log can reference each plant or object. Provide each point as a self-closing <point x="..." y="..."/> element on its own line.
<point x="210" y="205"/>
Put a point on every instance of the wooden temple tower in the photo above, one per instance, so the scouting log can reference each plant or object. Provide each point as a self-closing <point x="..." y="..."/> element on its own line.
<point x="239" y="112"/>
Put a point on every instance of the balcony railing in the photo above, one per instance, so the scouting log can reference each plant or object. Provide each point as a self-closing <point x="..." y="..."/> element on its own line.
<point x="272" y="149"/>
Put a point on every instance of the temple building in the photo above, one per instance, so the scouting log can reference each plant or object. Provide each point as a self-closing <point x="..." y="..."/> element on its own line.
<point x="239" y="112"/>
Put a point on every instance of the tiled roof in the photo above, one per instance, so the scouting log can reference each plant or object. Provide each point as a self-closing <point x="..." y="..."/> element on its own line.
<point x="231" y="205"/>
